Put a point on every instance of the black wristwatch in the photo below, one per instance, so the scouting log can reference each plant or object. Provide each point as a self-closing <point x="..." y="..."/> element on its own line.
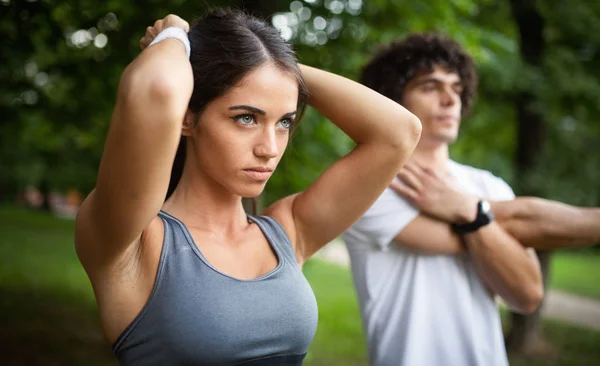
<point x="484" y="217"/>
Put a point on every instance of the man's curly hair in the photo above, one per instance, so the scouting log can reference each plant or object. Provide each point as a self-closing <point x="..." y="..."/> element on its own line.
<point x="394" y="65"/>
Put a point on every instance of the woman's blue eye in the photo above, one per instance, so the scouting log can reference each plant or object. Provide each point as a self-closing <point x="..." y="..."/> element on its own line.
<point x="245" y="119"/>
<point x="286" y="123"/>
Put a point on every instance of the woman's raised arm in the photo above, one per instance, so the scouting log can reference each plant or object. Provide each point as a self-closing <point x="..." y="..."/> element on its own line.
<point x="152" y="99"/>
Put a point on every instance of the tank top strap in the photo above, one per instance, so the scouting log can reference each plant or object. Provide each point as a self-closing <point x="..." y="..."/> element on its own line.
<point x="176" y="235"/>
<point x="273" y="229"/>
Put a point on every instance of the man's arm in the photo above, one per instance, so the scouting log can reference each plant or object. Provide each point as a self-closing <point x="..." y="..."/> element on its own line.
<point x="505" y="266"/>
<point x="428" y="235"/>
<point x="543" y="224"/>
<point x="502" y="262"/>
<point x="535" y="223"/>
<point x="508" y="268"/>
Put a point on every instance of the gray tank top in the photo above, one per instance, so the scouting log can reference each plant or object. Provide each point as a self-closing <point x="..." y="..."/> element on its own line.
<point x="197" y="315"/>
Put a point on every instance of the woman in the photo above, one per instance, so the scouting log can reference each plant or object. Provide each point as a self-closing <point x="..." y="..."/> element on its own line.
<point x="193" y="279"/>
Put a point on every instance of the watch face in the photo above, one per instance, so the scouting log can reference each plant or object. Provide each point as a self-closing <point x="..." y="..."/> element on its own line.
<point x="485" y="206"/>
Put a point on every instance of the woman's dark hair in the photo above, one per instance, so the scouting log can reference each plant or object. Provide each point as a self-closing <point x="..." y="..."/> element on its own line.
<point x="396" y="64"/>
<point x="226" y="45"/>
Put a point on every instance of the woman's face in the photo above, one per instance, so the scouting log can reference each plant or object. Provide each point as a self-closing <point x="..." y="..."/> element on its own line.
<point x="241" y="136"/>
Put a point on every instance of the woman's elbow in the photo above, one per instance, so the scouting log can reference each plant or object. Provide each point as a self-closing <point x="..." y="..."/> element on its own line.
<point x="149" y="82"/>
<point x="415" y="130"/>
<point x="155" y="88"/>
<point x="406" y="138"/>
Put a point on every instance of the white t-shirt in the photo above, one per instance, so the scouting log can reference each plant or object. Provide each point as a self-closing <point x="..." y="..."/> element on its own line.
<point x="424" y="310"/>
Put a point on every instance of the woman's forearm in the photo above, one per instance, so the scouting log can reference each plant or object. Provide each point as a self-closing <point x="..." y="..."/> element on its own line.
<point x="363" y="114"/>
<point x="546" y="224"/>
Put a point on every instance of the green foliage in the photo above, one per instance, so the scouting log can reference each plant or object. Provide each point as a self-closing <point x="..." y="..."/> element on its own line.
<point x="577" y="272"/>
<point x="62" y="61"/>
<point x="61" y="65"/>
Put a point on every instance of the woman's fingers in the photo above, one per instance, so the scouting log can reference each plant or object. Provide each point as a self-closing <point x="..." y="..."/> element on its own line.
<point x="170" y="20"/>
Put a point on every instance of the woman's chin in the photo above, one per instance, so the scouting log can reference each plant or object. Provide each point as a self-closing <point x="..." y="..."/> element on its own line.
<point x="250" y="191"/>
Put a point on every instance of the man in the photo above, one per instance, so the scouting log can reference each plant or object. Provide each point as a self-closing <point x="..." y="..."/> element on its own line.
<point x="432" y="252"/>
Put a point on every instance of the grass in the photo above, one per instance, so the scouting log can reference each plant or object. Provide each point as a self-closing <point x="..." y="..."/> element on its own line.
<point x="574" y="346"/>
<point x="47" y="308"/>
<point x="339" y="339"/>
<point x="49" y="317"/>
<point x="577" y="272"/>
<point x="571" y="346"/>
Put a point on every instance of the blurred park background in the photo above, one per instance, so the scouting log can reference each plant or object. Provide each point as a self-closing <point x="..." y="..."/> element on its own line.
<point x="535" y="123"/>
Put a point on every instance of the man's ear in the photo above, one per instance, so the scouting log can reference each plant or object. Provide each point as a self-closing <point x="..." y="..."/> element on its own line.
<point x="188" y="123"/>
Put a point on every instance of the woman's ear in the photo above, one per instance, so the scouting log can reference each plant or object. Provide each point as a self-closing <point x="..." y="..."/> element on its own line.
<point x="188" y="123"/>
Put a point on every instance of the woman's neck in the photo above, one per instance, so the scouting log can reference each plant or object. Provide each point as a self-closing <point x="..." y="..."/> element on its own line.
<point x="205" y="205"/>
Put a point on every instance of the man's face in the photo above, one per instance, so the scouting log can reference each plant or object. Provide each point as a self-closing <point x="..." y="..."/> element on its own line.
<point x="435" y="98"/>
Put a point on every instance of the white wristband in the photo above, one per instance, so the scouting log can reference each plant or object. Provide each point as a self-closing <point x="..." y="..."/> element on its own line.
<point x="174" y="32"/>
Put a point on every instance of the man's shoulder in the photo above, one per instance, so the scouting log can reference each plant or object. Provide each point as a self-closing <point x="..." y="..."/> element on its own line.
<point x="473" y="172"/>
<point x="496" y="187"/>
<point x="468" y="169"/>
<point x="388" y="215"/>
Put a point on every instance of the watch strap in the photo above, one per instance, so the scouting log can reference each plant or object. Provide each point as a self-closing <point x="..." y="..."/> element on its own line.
<point x="482" y="219"/>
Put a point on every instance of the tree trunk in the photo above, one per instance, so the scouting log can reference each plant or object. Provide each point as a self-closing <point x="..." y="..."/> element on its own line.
<point x="45" y="192"/>
<point x="525" y="335"/>
<point x="9" y="191"/>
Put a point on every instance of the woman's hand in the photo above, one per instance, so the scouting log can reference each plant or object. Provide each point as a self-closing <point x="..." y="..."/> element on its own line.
<point x="170" y="20"/>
